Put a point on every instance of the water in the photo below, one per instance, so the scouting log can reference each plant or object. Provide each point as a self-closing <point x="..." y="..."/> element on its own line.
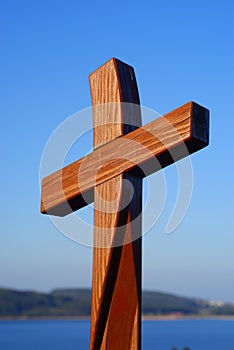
<point x="195" y="334"/>
<point x="157" y="335"/>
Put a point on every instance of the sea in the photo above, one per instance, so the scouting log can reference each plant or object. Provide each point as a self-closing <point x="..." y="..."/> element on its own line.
<point x="192" y="334"/>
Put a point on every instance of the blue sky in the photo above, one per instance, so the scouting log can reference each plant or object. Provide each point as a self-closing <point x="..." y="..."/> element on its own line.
<point x="180" y="51"/>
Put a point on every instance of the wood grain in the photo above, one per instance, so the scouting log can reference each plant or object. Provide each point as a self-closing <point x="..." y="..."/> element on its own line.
<point x="140" y="152"/>
<point x="116" y="279"/>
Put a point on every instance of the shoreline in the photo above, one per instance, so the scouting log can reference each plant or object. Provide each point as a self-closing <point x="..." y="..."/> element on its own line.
<point x="169" y="317"/>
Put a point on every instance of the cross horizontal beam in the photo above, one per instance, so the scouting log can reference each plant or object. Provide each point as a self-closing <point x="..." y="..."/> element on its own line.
<point x="140" y="152"/>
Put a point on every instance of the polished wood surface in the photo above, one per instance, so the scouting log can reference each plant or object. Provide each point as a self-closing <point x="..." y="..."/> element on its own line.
<point x="163" y="140"/>
<point x="116" y="276"/>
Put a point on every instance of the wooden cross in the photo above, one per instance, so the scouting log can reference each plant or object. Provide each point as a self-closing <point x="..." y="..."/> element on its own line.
<point x="124" y="152"/>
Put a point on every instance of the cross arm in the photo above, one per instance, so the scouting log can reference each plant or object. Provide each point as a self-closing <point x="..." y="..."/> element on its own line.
<point x="140" y="152"/>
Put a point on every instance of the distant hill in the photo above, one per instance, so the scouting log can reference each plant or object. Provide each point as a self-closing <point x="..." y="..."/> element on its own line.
<point x="76" y="302"/>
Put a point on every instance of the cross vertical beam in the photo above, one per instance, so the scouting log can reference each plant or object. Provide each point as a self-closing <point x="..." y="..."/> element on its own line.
<point x="117" y="255"/>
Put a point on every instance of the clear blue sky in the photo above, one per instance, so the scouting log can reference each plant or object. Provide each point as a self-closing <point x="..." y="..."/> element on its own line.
<point x="181" y="51"/>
